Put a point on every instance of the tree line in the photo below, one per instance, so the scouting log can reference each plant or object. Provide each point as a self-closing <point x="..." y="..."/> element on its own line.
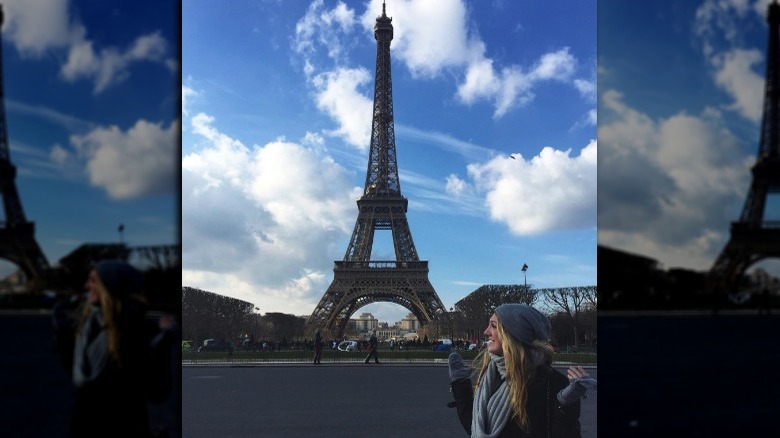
<point x="207" y="315"/>
<point x="572" y="312"/>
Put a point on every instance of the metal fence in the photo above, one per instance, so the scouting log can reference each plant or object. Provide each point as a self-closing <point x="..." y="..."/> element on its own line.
<point x="341" y="357"/>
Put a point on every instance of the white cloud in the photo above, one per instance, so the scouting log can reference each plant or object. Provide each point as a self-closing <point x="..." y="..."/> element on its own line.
<point x="480" y="83"/>
<point x="718" y="21"/>
<point x="670" y="187"/>
<point x="60" y="155"/>
<point x="735" y="73"/>
<point x="110" y="66"/>
<point x="557" y="66"/>
<point x="436" y="36"/>
<point x="514" y="90"/>
<point x="264" y="223"/>
<point x="736" y="68"/>
<point x="432" y="37"/>
<point x="456" y="186"/>
<point x="586" y="88"/>
<point x="37" y="27"/>
<point x="337" y="94"/>
<point x="129" y="164"/>
<point x="322" y="29"/>
<point x="341" y="15"/>
<point x="550" y="191"/>
<point x="187" y="93"/>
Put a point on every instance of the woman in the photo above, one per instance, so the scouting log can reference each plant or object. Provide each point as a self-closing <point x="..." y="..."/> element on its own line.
<point x="114" y="368"/>
<point x="516" y="388"/>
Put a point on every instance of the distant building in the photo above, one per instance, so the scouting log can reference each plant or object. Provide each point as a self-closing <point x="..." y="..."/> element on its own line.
<point x="365" y="322"/>
<point x="410" y="323"/>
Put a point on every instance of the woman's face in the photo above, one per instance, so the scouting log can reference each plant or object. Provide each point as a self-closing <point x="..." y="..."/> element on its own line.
<point x="93" y="295"/>
<point x="494" y="344"/>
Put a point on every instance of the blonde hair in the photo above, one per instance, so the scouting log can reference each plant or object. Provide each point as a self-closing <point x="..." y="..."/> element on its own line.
<point x="111" y="307"/>
<point x="519" y="367"/>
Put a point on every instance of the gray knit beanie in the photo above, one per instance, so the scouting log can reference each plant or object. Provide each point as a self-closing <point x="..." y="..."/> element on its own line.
<point x="524" y="323"/>
<point x="119" y="277"/>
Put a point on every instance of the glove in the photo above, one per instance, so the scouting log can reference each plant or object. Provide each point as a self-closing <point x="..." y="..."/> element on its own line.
<point x="458" y="370"/>
<point x="576" y="390"/>
<point x="462" y="391"/>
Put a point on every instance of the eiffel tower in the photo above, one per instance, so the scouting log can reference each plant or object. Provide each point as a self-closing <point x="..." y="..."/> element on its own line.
<point x="753" y="238"/>
<point x="17" y="235"/>
<point x="358" y="280"/>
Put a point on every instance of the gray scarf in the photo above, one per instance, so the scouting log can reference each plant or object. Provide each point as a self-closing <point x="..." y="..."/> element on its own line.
<point x="90" y="354"/>
<point x="491" y="402"/>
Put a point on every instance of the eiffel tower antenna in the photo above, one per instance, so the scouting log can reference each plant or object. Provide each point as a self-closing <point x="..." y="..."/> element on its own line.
<point x="358" y="280"/>
<point x="752" y="237"/>
<point x="17" y="241"/>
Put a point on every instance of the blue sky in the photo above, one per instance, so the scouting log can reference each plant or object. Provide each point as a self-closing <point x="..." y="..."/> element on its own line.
<point x="680" y="89"/>
<point x="276" y="123"/>
<point x="92" y="105"/>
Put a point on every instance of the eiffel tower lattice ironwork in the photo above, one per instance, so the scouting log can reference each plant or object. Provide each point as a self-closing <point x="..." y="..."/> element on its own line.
<point x="17" y="235"/>
<point x="752" y="237"/>
<point x="358" y="280"/>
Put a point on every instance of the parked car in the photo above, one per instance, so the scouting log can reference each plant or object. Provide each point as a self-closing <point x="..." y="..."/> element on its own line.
<point x="212" y="345"/>
<point x="444" y="345"/>
<point x="348" y="346"/>
<point x="477" y="346"/>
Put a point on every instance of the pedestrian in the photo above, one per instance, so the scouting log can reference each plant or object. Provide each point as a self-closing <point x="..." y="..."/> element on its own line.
<point x="392" y="344"/>
<point x="120" y="363"/>
<point x="372" y="348"/>
<point x="516" y="388"/>
<point x="318" y="344"/>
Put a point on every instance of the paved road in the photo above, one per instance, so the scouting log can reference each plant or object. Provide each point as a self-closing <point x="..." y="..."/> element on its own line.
<point x="327" y="401"/>
<point x="689" y="375"/>
<point x="36" y="393"/>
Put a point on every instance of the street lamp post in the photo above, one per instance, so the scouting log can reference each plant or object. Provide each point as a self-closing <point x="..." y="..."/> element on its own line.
<point x="256" y="315"/>
<point x="451" y="316"/>
<point x="525" y="281"/>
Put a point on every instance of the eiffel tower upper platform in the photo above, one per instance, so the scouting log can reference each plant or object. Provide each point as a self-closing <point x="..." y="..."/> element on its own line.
<point x="358" y="280"/>
<point x="752" y="237"/>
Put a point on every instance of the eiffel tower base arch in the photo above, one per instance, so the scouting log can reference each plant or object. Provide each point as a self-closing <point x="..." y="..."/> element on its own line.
<point x="357" y="284"/>
<point x="747" y="246"/>
<point x="18" y="246"/>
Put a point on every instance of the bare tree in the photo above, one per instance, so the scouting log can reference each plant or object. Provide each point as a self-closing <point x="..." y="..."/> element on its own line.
<point x="571" y="301"/>
<point x="474" y="311"/>
<point x="590" y="295"/>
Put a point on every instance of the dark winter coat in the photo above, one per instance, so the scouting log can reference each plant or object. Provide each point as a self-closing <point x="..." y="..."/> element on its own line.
<point x="114" y="402"/>
<point x="546" y="418"/>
